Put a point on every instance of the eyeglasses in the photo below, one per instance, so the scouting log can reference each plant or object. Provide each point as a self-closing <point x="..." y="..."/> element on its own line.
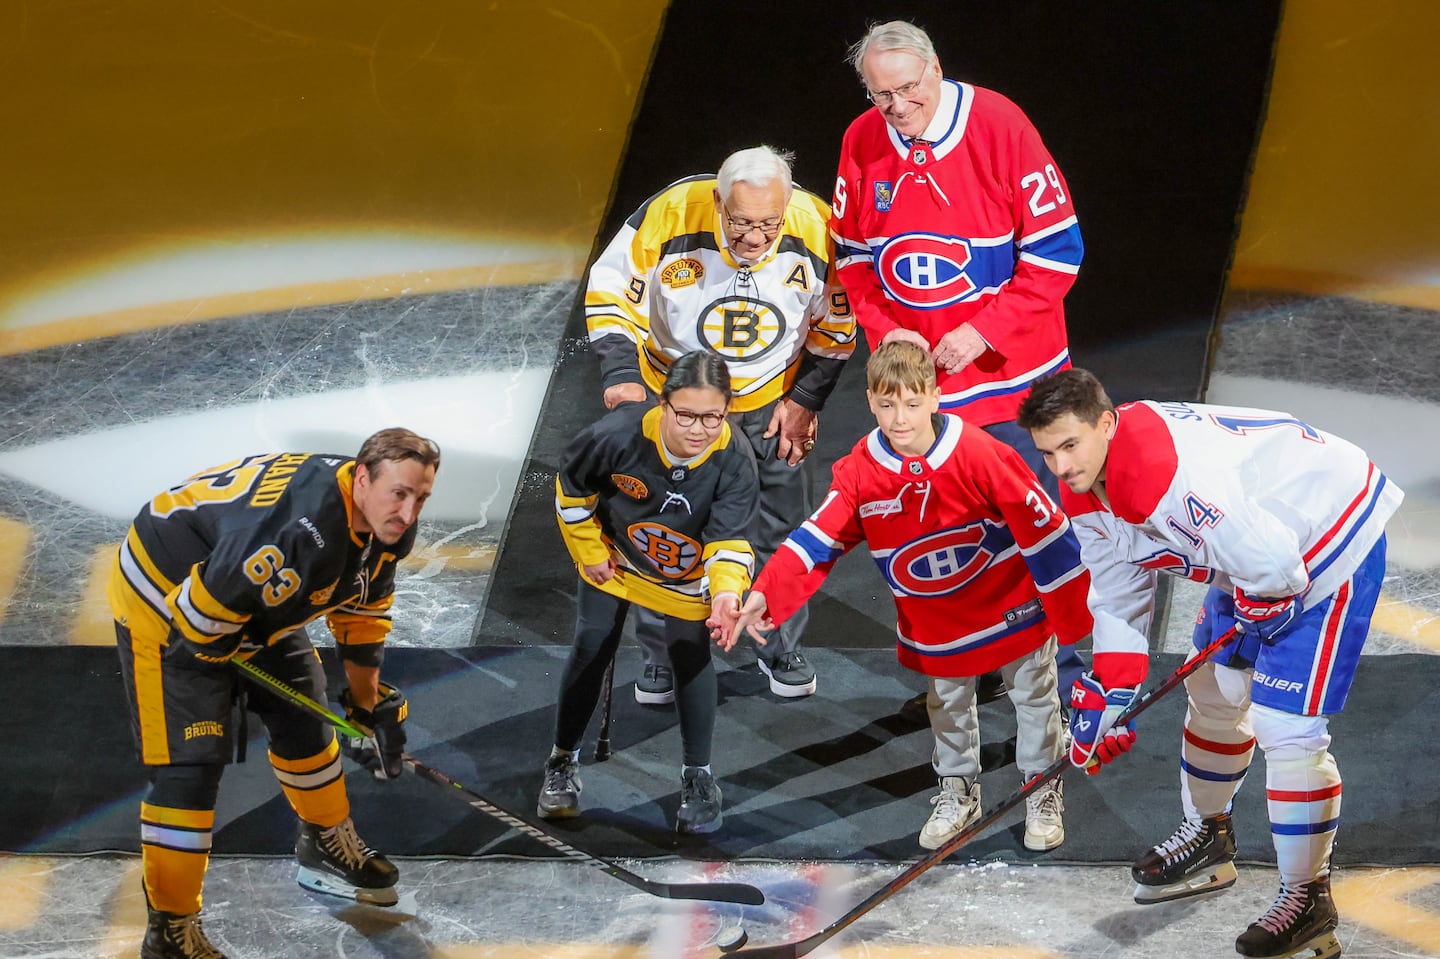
<point x="883" y="98"/>
<point x="687" y="418"/>
<point x="769" y="227"/>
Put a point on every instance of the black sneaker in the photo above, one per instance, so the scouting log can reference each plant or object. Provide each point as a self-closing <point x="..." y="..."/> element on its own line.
<point x="560" y="794"/>
<point x="656" y="687"/>
<point x="337" y="862"/>
<point x="790" y="676"/>
<point x="699" y="802"/>
<point x="171" y="936"/>
<point x="990" y="688"/>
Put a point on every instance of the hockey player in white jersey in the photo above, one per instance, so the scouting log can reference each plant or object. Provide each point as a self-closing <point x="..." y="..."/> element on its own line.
<point x="1286" y="523"/>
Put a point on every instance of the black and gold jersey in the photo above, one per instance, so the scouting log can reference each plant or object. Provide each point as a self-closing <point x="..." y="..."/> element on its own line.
<point x="253" y="549"/>
<point x="676" y="530"/>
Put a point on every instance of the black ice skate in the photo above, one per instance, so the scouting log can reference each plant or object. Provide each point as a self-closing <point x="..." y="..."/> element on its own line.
<point x="560" y="792"/>
<point x="1301" y="922"/>
<point x="169" y="936"/>
<point x="1197" y="860"/>
<point x="699" y="802"/>
<point x="337" y="862"/>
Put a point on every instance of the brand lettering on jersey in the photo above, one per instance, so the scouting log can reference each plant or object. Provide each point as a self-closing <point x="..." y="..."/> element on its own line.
<point x="205" y="727"/>
<point x="673" y="554"/>
<point x="276" y="479"/>
<point x="944" y="562"/>
<point x="741" y="328"/>
<point x="884" y="195"/>
<point x="889" y="507"/>
<point x="321" y="597"/>
<point x="314" y="533"/>
<point x="1176" y="564"/>
<point x="631" y="486"/>
<point x="682" y="273"/>
<point x="1020" y="614"/>
<point x="924" y="270"/>
<point x="1278" y="684"/>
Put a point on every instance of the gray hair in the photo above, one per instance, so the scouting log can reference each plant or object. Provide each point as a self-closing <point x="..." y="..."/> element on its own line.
<point x="886" y="37"/>
<point x="757" y="166"/>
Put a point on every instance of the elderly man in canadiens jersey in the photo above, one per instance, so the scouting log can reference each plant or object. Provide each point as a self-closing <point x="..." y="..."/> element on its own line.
<point x="1286" y="523"/>
<point x="737" y="264"/>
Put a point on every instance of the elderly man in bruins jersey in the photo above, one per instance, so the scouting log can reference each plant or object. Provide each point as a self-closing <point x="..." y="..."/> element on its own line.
<point x="234" y="562"/>
<point x="737" y="264"/>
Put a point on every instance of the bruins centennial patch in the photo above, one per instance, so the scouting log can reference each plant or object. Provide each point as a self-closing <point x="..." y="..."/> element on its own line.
<point x="631" y="486"/>
<point x="682" y="273"/>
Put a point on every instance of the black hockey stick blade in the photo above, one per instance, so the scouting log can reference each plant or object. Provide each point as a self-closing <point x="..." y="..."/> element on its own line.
<point x="803" y="947"/>
<point x="737" y="892"/>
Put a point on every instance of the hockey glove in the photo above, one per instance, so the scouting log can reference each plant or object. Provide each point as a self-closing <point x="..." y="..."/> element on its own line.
<point x="382" y="754"/>
<point x="1265" y="619"/>
<point x="1094" y="740"/>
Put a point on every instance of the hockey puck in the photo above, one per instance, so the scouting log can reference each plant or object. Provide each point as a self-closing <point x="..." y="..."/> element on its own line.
<point x="731" y="939"/>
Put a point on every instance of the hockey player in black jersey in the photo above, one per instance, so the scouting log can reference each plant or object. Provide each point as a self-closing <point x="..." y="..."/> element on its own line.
<point x="654" y="504"/>
<point x="235" y="561"/>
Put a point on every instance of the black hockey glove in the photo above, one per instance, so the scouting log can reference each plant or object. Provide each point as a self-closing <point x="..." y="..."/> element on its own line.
<point x="381" y="754"/>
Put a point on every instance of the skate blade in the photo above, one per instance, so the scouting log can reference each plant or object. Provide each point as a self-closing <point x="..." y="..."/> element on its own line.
<point x="328" y="885"/>
<point x="1323" y="946"/>
<point x="1210" y="882"/>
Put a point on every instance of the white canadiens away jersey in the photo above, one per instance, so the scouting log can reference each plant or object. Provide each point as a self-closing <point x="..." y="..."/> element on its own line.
<point x="667" y="285"/>
<point x="982" y="565"/>
<point x="1222" y="495"/>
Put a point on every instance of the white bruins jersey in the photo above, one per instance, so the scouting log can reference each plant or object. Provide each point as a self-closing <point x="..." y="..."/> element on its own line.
<point x="668" y="285"/>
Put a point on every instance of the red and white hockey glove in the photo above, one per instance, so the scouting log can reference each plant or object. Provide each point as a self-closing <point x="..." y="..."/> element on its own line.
<point x="1265" y="619"/>
<point x="1094" y="740"/>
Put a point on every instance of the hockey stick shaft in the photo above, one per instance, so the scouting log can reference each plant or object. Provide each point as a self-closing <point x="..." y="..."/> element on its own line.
<point x="602" y="743"/>
<point x="803" y="947"/>
<point x="737" y="892"/>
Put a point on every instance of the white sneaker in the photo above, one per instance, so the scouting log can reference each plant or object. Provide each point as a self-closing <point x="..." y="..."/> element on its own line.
<point x="1044" y="827"/>
<point x="957" y="806"/>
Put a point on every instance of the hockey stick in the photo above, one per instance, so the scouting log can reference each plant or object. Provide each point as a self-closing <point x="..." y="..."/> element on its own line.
<point x="803" y="947"/>
<point x="602" y="744"/>
<point x="717" y="891"/>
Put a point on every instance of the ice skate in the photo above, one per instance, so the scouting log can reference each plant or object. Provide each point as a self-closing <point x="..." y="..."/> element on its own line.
<point x="1044" y="824"/>
<point x="560" y="793"/>
<point x="337" y="862"/>
<point x="1197" y="860"/>
<point x="957" y="806"/>
<point x="170" y="936"/>
<point x="1301" y="923"/>
<point x="699" y="802"/>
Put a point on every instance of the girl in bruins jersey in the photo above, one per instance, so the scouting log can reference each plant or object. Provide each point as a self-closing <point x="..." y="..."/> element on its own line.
<point x="654" y="504"/>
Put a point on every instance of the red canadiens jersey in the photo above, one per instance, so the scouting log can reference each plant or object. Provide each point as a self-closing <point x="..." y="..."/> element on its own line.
<point x="982" y="563"/>
<point x="973" y="225"/>
<point x="1223" y="495"/>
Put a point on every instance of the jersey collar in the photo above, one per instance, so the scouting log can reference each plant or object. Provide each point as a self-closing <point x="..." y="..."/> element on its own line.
<point x="947" y="126"/>
<point x="945" y="442"/>
<point x="650" y="426"/>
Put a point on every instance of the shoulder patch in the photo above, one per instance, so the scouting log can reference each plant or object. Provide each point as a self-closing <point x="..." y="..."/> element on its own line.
<point x="682" y="273"/>
<point x="631" y="486"/>
<point x="321" y="597"/>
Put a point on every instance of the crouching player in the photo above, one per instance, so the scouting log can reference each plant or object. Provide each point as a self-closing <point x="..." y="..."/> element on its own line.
<point x="234" y="562"/>
<point x="1287" y="525"/>
<point x="984" y="569"/>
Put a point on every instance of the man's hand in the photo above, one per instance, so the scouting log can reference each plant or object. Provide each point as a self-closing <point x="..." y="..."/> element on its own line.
<point x="907" y="336"/>
<point x="798" y="429"/>
<point x="382" y="753"/>
<point x="1265" y="619"/>
<point x="959" y="348"/>
<point x="1093" y="711"/>
<point x="600" y="573"/>
<point x="623" y="393"/>
<point x="724" y="610"/>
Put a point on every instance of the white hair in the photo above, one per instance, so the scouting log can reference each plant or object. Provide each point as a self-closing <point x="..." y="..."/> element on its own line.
<point x="757" y="166"/>
<point x="886" y="37"/>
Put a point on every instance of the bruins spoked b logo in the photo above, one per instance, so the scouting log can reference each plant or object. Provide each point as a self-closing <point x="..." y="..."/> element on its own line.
<point x="741" y="328"/>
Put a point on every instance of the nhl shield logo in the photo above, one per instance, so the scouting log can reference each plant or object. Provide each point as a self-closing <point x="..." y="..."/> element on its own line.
<point x="884" y="193"/>
<point x="919" y="156"/>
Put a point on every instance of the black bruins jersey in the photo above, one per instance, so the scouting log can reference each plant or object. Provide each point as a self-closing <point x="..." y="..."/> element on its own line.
<point x="254" y="549"/>
<point x="673" y="528"/>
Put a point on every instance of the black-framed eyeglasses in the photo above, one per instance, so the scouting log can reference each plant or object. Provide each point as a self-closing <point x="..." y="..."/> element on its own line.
<point x="883" y="98"/>
<point x="687" y="418"/>
<point x="770" y="226"/>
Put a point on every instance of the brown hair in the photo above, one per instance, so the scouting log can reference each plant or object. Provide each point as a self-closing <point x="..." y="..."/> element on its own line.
<point x="1069" y="391"/>
<point x="899" y="365"/>
<point x="395" y="444"/>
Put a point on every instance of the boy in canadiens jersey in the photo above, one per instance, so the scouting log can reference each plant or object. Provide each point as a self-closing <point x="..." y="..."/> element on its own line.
<point x="983" y="566"/>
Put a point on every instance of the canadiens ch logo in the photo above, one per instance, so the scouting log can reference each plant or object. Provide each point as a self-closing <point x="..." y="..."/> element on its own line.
<point x="741" y="328"/>
<point x="682" y="273"/>
<point x="884" y="195"/>
<point x="924" y="270"/>
<point x="1176" y="564"/>
<point x="944" y="562"/>
<point x="631" y="486"/>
